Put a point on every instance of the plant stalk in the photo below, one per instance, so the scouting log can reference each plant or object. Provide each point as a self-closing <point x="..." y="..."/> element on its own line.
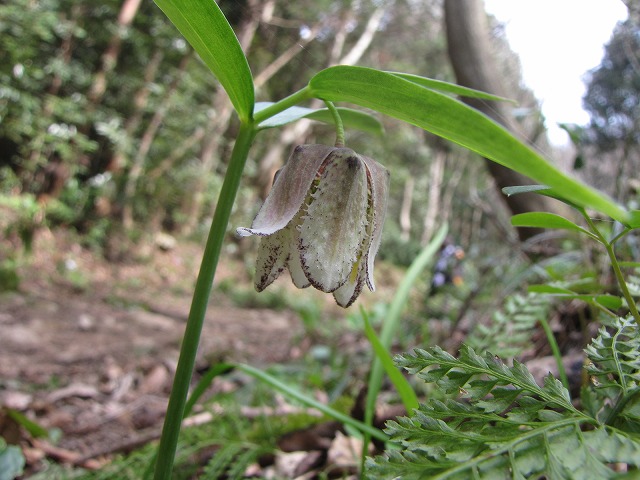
<point x="616" y="267"/>
<point x="204" y="283"/>
<point x="340" y="138"/>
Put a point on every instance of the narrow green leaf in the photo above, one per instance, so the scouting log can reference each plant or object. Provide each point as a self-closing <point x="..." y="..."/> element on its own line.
<point x="408" y="396"/>
<point x="549" y="289"/>
<point x="295" y="394"/>
<point x="204" y="383"/>
<point x="35" y="429"/>
<point x="351" y="118"/>
<point x="447" y="87"/>
<point x="455" y="121"/>
<point x="609" y="301"/>
<point x="547" y="220"/>
<point x="630" y="264"/>
<point x="518" y="189"/>
<point x="392" y="321"/>
<point x="205" y="27"/>
<point x="542" y="190"/>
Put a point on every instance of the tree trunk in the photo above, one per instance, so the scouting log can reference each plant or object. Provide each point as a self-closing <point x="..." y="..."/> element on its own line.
<point x="137" y="165"/>
<point x="436" y="175"/>
<point x="469" y="48"/>
<point x="405" y="209"/>
<point x="110" y="57"/>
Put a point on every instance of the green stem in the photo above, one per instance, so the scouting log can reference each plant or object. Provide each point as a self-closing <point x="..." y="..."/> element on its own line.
<point x="204" y="283"/>
<point x="340" y="142"/>
<point x="556" y="351"/>
<point x="280" y="106"/>
<point x="616" y="267"/>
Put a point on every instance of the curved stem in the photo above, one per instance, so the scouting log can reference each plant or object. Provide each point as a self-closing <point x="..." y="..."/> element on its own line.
<point x="616" y="267"/>
<point x="282" y="105"/>
<point x="204" y="283"/>
<point x="338" y="122"/>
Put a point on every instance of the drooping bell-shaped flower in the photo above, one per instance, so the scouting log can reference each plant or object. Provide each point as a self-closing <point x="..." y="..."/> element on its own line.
<point x="323" y="221"/>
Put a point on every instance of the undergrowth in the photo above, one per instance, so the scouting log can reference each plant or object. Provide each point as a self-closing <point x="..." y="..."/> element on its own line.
<point x="499" y="423"/>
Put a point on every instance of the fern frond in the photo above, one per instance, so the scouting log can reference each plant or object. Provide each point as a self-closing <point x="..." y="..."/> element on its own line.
<point x="451" y="374"/>
<point x="615" y="356"/>
<point x="614" y="367"/>
<point x="509" y="332"/>
<point x="231" y="460"/>
<point x="505" y="426"/>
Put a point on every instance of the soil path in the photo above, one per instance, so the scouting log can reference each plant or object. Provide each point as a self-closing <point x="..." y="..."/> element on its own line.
<point x="90" y="347"/>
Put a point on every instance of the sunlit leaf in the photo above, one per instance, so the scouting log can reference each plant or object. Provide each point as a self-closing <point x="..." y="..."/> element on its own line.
<point x="518" y="189"/>
<point x="447" y="87"/>
<point x="207" y="30"/>
<point x="547" y="220"/>
<point x="453" y="120"/>
<point x="354" y="119"/>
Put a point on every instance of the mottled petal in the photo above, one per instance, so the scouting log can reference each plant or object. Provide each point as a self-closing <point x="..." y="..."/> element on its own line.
<point x="378" y="176"/>
<point x="298" y="276"/>
<point x="289" y="190"/>
<point x="273" y="253"/>
<point x="349" y="291"/>
<point x="334" y="223"/>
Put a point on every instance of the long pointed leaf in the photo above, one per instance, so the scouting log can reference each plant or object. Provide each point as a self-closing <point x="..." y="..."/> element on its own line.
<point x="350" y="118"/>
<point x="295" y="394"/>
<point x="408" y="396"/>
<point x="205" y="27"/>
<point x="441" y="86"/>
<point x="547" y="220"/>
<point x="455" y="121"/>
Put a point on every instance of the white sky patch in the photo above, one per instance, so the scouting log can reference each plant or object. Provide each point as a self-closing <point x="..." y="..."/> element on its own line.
<point x="558" y="41"/>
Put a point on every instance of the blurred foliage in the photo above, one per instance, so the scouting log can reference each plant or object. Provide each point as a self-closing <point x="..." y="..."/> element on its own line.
<point x="609" y="146"/>
<point x="613" y="94"/>
<point x="74" y="153"/>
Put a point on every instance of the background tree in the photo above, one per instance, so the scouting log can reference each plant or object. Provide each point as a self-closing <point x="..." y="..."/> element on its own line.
<point x="613" y="102"/>
<point x="473" y="59"/>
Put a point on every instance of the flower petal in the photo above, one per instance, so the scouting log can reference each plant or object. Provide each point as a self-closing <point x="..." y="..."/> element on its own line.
<point x="335" y="221"/>
<point x="378" y="176"/>
<point x="273" y="253"/>
<point x="346" y="294"/>
<point x="289" y="190"/>
<point x="298" y="277"/>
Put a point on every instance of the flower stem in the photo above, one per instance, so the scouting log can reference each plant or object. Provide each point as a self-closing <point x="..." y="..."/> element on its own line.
<point x="204" y="283"/>
<point x="338" y="121"/>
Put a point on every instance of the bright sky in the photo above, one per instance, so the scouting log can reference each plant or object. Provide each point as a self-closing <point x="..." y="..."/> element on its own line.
<point x="558" y="41"/>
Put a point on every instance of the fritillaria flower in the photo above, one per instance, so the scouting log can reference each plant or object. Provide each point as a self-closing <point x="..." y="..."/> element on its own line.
<point x="322" y="220"/>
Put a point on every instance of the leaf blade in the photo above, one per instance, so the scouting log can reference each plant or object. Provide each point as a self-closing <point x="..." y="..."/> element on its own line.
<point x="205" y="27"/>
<point x="547" y="220"/>
<point x="455" y="121"/>
<point x="351" y="118"/>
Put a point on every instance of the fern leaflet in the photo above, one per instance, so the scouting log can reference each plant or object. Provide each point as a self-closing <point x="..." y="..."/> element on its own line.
<point x="504" y="426"/>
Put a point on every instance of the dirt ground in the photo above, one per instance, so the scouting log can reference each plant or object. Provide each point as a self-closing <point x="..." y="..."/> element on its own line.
<point x="90" y="347"/>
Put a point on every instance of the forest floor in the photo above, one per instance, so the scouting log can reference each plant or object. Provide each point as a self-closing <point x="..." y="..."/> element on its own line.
<point x="90" y="347"/>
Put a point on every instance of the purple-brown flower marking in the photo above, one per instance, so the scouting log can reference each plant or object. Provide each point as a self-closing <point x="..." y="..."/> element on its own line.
<point x="323" y="221"/>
